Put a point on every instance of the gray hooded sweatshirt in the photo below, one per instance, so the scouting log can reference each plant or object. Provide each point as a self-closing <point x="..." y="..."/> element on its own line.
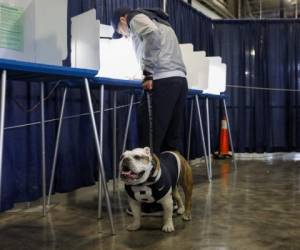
<point x="157" y="48"/>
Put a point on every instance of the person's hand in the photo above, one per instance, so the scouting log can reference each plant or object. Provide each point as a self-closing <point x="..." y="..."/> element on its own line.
<point x="148" y="85"/>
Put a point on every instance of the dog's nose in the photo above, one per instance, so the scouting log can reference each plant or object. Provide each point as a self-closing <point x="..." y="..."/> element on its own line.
<point x="126" y="164"/>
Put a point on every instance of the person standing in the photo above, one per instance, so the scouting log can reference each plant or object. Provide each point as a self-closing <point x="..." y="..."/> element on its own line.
<point x="158" y="52"/>
<point x="159" y="55"/>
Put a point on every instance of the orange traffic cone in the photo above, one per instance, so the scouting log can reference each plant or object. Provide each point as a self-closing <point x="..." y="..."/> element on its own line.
<point x="224" y="140"/>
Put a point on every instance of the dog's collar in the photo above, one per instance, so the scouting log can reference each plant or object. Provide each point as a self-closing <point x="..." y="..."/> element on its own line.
<point x="154" y="174"/>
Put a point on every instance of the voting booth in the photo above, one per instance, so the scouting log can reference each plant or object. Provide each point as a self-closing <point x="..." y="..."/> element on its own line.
<point x="207" y="74"/>
<point x="28" y="31"/>
<point x="94" y="48"/>
<point x="33" y="45"/>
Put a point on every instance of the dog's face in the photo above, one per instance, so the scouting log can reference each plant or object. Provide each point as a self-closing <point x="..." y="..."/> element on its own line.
<point x="135" y="166"/>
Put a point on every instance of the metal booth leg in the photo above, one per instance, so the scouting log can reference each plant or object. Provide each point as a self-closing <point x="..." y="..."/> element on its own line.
<point x="100" y="191"/>
<point x="114" y="140"/>
<point x="128" y="122"/>
<point x="202" y="135"/>
<point x="43" y="147"/>
<point x="127" y="125"/>
<point x="99" y="155"/>
<point x="2" y="120"/>
<point x="230" y="135"/>
<point x="208" y="137"/>
<point x="62" y="110"/>
<point x="190" y="131"/>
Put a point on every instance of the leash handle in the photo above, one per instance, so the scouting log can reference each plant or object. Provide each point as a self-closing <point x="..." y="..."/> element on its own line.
<point x="149" y="102"/>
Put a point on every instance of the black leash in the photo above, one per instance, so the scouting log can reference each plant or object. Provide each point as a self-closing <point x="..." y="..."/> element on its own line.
<point x="149" y="102"/>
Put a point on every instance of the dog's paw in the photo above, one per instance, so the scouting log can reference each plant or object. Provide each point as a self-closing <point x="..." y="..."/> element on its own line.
<point x="187" y="216"/>
<point x="168" y="228"/>
<point x="133" y="227"/>
<point x="180" y="210"/>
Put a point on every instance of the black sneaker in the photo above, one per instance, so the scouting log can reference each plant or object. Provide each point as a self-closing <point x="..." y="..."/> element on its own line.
<point x="152" y="210"/>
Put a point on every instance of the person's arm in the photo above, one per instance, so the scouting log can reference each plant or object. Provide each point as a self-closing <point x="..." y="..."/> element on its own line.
<point x="150" y="35"/>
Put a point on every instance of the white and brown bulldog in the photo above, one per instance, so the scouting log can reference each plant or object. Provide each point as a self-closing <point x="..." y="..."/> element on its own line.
<point x="151" y="179"/>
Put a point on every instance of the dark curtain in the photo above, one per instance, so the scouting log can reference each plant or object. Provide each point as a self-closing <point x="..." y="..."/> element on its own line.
<point x="21" y="161"/>
<point x="190" y="25"/>
<point x="257" y="53"/>
<point x="105" y="8"/>
<point x="262" y="54"/>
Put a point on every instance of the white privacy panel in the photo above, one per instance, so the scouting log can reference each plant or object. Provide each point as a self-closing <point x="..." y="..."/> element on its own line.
<point x="190" y="61"/>
<point x="26" y="36"/>
<point x="39" y="27"/>
<point x="215" y="59"/>
<point x="117" y="57"/>
<point x="187" y="48"/>
<point x="204" y="73"/>
<point x="202" y="70"/>
<point x="85" y="34"/>
<point x="51" y="31"/>
<point x="216" y="76"/>
<point x="106" y="31"/>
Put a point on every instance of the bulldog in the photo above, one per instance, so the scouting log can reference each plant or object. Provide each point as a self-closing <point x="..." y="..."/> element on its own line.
<point x="151" y="179"/>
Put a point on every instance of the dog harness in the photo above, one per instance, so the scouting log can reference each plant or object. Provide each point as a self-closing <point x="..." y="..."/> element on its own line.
<point x="154" y="191"/>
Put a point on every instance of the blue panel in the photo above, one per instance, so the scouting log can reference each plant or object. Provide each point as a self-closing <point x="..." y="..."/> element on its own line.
<point x="45" y="69"/>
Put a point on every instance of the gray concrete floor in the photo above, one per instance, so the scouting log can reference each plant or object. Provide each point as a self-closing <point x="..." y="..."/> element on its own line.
<point x="256" y="207"/>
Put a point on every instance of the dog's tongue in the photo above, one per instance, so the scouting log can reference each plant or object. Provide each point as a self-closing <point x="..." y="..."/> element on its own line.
<point x="130" y="174"/>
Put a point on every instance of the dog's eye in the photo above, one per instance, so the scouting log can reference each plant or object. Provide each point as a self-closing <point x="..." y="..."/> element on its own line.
<point x="137" y="157"/>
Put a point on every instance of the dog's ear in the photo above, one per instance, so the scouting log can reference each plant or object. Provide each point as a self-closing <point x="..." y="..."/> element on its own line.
<point x="147" y="150"/>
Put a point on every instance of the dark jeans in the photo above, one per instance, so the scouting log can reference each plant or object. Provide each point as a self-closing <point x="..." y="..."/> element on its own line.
<point x="168" y="102"/>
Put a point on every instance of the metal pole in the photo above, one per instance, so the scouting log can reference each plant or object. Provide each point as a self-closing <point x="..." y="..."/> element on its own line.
<point x="127" y="126"/>
<point x="165" y="5"/>
<point x="43" y="147"/>
<point x="230" y="136"/>
<point x="99" y="155"/>
<point x="101" y="150"/>
<point x="190" y="130"/>
<point x="208" y="138"/>
<point x="260" y="9"/>
<point x="296" y="9"/>
<point x="128" y="122"/>
<point x="2" y="120"/>
<point x="202" y="135"/>
<point x="114" y="140"/>
<point x="57" y="145"/>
